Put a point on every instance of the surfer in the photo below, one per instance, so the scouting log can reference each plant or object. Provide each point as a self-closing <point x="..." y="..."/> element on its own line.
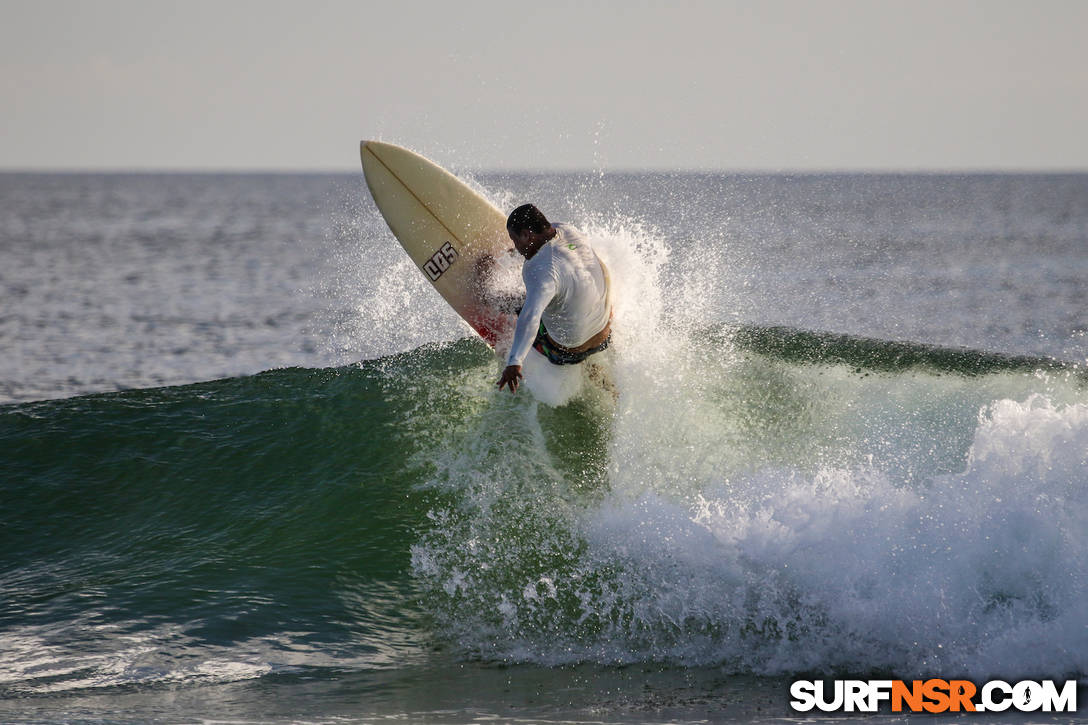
<point x="567" y="314"/>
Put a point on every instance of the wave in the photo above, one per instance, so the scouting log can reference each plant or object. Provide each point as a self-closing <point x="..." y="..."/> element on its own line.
<point x="860" y="513"/>
<point x="237" y="522"/>
<point x="806" y="502"/>
<point x="809" y="346"/>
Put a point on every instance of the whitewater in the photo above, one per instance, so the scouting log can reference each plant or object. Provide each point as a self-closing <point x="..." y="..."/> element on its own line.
<point x="766" y="517"/>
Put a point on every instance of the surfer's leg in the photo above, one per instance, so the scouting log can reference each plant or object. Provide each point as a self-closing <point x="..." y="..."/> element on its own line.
<point x="597" y="372"/>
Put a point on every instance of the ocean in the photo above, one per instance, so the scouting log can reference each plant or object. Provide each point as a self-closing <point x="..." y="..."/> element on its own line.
<point x="253" y="468"/>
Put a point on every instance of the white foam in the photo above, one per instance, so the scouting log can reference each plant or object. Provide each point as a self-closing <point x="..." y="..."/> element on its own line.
<point x="773" y="518"/>
<point x="554" y="385"/>
<point x="979" y="572"/>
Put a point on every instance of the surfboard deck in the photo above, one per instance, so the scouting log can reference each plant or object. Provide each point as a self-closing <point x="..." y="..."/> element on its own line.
<point x="445" y="226"/>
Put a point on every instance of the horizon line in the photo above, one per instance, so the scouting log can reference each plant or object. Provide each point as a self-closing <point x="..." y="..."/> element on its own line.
<point x="694" y="171"/>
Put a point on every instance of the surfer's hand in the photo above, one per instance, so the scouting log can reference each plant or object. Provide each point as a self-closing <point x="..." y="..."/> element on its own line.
<point x="511" y="376"/>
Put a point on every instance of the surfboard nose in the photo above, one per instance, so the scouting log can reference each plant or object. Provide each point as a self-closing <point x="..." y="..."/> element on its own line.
<point x="364" y="146"/>
<point x="374" y="148"/>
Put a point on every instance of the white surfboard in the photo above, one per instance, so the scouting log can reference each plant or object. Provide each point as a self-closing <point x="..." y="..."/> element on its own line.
<point x="444" y="226"/>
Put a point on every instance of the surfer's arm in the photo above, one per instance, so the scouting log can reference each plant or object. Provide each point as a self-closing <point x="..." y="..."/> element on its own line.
<point x="538" y="293"/>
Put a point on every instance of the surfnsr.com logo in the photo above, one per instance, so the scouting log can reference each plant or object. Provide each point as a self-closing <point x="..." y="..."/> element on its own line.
<point x="933" y="696"/>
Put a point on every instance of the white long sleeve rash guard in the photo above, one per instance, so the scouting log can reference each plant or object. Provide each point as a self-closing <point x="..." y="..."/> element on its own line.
<point x="567" y="285"/>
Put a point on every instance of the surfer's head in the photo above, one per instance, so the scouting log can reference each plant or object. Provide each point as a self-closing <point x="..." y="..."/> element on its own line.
<point x="527" y="218"/>
<point x="529" y="229"/>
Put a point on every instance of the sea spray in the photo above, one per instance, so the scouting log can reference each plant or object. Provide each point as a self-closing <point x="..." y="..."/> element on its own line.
<point x="768" y="517"/>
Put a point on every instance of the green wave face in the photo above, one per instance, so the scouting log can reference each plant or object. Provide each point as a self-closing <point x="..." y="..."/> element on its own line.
<point x="225" y="512"/>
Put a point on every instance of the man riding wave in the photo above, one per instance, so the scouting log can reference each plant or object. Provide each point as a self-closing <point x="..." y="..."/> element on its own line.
<point x="567" y="314"/>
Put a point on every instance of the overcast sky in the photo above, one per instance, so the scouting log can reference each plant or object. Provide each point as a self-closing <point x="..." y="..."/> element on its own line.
<point x="826" y="84"/>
